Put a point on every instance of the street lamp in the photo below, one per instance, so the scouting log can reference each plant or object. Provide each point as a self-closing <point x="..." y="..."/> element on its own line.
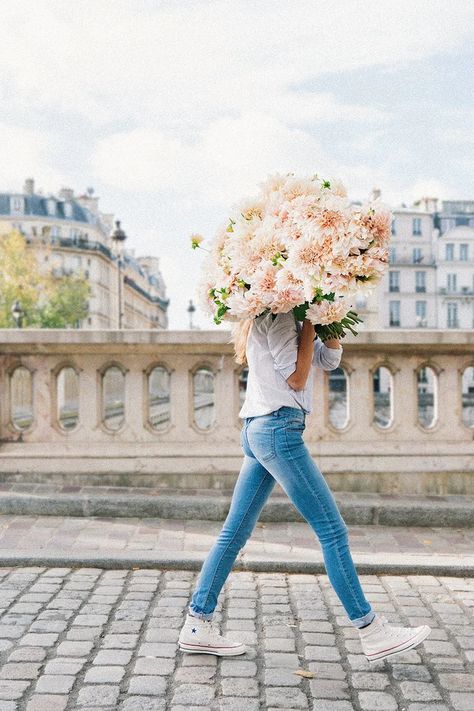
<point x="118" y="238"/>
<point x="191" y="309"/>
<point x="17" y="313"/>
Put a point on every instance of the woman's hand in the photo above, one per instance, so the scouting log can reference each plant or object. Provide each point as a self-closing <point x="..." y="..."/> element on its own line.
<point x="308" y="328"/>
<point x="330" y="342"/>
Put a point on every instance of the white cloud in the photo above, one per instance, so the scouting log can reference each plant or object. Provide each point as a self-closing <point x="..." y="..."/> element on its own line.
<point x="227" y="160"/>
<point x="26" y="153"/>
<point x="181" y="64"/>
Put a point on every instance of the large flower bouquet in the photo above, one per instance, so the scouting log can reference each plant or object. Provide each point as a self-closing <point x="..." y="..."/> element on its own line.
<point x="299" y="245"/>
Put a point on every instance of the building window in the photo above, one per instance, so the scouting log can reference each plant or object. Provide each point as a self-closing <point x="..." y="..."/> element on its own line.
<point x="417" y="255"/>
<point x="392" y="255"/>
<point x="449" y="252"/>
<point x="464" y="252"/>
<point x="68" y="209"/>
<point x="420" y="307"/>
<point x="462" y="221"/>
<point x="394" y="227"/>
<point x="394" y="313"/>
<point x="394" y="281"/>
<point x="51" y="206"/>
<point x="16" y="205"/>
<point x="420" y="281"/>
<point x="452" y="282"/>
<point x="417" y="225"/>
<point x="452" y="315"/>
<point x="74" y="263"/>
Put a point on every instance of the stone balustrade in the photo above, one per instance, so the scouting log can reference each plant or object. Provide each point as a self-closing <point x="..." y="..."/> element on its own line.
<point x="161" y="408"/>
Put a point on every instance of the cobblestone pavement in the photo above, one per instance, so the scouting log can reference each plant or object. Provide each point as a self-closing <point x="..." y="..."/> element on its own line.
<point x="90" y="639"/>
<point x="269" y="541"/>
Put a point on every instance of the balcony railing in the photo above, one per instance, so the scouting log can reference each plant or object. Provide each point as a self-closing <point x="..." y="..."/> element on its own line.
<point x="78" y="243"/>
<point x="464" y="291"/>
<point x="423" y="261"/>
<point x="162" y="406"/>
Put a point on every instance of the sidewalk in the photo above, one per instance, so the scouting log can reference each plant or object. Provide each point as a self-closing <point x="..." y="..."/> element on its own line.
<point x="183" y="544"/>
<point x="357" y="508"/>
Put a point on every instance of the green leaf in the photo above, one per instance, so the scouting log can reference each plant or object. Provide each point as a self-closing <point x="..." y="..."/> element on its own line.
<point x="300" y="311"/>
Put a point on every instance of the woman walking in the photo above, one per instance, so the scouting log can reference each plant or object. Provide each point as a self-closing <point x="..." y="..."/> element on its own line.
<point x="280" y="353"/>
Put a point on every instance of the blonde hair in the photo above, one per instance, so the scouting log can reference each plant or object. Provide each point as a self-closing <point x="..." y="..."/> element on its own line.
<point x="240" y="331"/>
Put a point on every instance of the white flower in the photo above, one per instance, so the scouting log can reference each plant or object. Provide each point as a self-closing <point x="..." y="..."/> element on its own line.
<point x="298" y="234"/>
<point x="325" y="312"/>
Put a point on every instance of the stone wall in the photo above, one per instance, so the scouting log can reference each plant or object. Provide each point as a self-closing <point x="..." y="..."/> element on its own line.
<point x="161" y="408"/>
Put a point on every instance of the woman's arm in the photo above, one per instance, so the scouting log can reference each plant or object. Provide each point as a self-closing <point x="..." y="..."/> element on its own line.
<point x="295" y="350"/>
<point x="305" y="358"/>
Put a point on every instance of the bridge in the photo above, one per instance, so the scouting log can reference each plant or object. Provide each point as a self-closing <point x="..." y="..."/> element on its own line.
<point x="150" y="408"/>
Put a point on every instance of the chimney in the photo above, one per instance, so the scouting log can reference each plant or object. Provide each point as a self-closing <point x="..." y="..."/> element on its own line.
<point x="430" y="204"/>
<point x="89" y="201"/>
<point x="376" y="193"/>
<point x="66" y="193"/>
<point x="29" y="186"/>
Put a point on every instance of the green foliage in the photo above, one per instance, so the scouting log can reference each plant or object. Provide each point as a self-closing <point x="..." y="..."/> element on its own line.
<point x="331" y="330"/>
<point x="67" y="304"/>
<point x="47" y="301"/>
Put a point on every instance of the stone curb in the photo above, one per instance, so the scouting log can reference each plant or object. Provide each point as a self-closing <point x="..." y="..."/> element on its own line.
<point x="356" y="509"/>
<point x="402" y="565"/>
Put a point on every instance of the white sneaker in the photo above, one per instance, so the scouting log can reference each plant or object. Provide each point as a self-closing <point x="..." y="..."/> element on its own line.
<point x="198" y="636"/>
<point x="380" y="639"/>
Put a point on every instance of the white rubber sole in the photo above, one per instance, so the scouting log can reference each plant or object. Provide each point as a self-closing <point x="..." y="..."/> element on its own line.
<point x="229" y="652"/>
<point x="409" y="644"/>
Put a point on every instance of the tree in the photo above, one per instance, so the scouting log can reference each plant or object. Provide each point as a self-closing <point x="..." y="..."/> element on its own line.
<point x="68" y="303"/>
<point x="47" y="301"/>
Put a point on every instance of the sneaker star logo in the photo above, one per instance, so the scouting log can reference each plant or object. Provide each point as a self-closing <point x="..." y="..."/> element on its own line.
<point x="193" y="630"/>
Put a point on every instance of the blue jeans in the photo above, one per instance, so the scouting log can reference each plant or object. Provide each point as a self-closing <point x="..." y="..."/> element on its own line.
<point x="275" y="452"/>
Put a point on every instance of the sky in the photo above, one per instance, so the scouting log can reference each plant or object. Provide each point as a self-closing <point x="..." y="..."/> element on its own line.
<point x="175" y="110"/>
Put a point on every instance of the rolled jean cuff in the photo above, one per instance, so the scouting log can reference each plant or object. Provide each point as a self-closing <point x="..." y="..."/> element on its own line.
<point x="365" y="620"/>
<point x="201" y="615"/>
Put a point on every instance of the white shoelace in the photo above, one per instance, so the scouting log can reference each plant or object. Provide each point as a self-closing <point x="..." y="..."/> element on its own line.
<point x="391" y="630"/>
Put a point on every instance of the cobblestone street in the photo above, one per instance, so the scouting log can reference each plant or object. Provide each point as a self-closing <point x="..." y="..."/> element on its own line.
<point x="91" y="639"/>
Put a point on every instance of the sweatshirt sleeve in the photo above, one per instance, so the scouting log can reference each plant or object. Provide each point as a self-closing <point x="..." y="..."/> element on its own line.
<point x="325" y="357"/>
<point x="282" y="335"/>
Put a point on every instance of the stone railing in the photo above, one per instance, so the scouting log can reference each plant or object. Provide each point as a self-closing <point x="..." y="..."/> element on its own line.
<point x="161" y="407"/>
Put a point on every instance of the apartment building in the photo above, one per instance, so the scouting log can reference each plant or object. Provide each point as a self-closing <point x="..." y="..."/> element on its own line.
<point x="430" y="280"/>
<point x="70" y="235"/>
